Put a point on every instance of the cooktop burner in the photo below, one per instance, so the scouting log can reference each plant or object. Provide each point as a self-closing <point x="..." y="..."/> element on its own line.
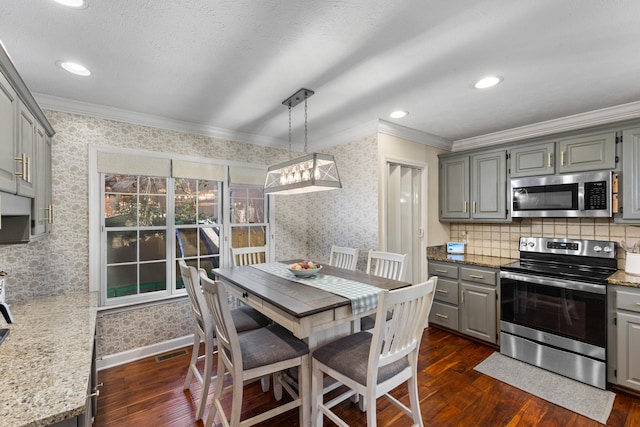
<point x="591" y="261"/>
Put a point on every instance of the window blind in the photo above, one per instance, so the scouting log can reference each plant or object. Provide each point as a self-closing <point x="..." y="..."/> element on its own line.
<point x="247" y="175"/>
<point x="198" y="170"/>
<point x="133" y="164"/>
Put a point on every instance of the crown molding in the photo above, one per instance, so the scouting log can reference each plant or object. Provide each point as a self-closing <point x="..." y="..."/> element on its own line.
<point x="109" y="113"/>
<point x="414" y="135"/>
<point x="577" y="121"/>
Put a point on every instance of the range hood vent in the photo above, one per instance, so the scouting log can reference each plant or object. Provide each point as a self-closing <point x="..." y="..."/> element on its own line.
<point x="15" y="218"/>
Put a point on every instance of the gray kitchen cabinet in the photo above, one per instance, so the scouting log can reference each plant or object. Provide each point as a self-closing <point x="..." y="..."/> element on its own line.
<point x="587" y="152"/>
<point x="474" y="187"/>
<point x="533" y="160"/>
<point x="628" y="337"/>
<point x="444" y="311"/>
<point x="8" y="113"/>
<point x="42" y="208"/>
<point x="478" y="303"/>
<point x="630" y="202"/>
<point x="454" y="187"/>
<point x="26" y="146"/>
<point x="466" y="299"/>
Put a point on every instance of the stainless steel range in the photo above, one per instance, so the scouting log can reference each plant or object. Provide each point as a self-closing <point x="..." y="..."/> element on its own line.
<point x="554" y="308"/>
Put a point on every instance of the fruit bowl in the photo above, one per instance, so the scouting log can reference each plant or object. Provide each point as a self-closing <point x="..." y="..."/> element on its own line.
<point x="305" y="269"/>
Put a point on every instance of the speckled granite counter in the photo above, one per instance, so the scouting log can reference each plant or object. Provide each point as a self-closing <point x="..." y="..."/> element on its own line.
<point x="624" y="279"/>
<point x="45" y="362"/>
<point x="439" y="253"/>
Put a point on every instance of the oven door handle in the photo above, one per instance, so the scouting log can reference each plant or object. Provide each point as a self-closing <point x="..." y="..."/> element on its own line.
<point x="556" y="283"/>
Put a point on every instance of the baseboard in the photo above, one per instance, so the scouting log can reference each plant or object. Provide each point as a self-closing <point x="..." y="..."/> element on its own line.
<point x="142" y="352"/>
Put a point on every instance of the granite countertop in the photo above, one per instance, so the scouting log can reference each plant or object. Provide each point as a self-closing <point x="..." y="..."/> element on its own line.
<point x="45" y="362"/>
<point x="439" y="253"/>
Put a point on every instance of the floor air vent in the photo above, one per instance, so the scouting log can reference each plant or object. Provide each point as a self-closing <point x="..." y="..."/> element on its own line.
<point x="167" y="356"/>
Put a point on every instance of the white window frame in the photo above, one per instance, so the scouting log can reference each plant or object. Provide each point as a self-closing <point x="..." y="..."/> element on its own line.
<point x="97" y="273"/>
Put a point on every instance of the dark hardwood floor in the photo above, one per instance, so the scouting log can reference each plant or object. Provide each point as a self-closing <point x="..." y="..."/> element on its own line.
<point x="452" y="393"/>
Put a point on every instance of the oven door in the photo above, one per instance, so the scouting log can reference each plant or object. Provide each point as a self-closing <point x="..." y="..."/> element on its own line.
<point x="572" y="311"/>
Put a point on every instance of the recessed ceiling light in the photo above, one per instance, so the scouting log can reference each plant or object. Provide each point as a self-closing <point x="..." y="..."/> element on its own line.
<point x="398" y="114"/>
<point x="487" y="82"/>
<point x="77" y="4"/>
<point x="74" y="68"/>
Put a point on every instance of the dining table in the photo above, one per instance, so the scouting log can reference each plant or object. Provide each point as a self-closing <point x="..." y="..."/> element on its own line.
<point x="312" y="314"/>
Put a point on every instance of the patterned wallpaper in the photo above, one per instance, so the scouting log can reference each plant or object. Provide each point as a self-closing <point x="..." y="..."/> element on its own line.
<point x="59" y="264"/>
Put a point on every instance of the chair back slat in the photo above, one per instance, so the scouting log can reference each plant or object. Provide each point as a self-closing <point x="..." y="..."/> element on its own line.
<point x="343" y="257"/>
<point x="386" y="264"/>
<point x="196" y="297"/>
<point x="395" y="338"/>
<point x="249" y="255"/>
<point x="228" y="344"/>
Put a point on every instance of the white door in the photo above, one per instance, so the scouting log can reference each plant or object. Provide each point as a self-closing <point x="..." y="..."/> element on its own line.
<point x="404" y="216"/>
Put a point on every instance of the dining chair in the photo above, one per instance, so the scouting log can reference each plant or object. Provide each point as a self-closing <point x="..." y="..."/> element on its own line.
<point x="372" y="364"/>
<point x="386" y="264"/>
<point x="252" y="355"/>
<point x="245" y="318"/>
<point x="343" y="257"/>
<point x="249" y="255"/>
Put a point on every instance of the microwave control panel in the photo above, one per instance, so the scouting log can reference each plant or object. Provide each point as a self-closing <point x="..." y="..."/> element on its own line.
<point x="595" y="195"/>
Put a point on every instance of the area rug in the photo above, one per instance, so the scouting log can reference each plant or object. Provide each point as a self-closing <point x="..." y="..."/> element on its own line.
<point x="575" y="396"/>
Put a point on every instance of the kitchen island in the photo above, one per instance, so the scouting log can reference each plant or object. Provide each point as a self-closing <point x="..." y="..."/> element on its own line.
<point x="46" y="361"/>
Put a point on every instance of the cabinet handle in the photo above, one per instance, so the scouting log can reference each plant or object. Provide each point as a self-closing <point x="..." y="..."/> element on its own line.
<point x="550" y="156"/>
<point x="442" y="291"/>
<point x="49" y="217"/>
<point x="474" y="206"/>
<point x="441" y="271"/>
<point x="23" y="159"/>
<point x="638" y="303"/>
<point x="562" y="158"/>
<point x="29" y="170"/>
<point x="51" y="214"/>
<point x="475" y="276"/>
<point x="442" y="315"/>
<point x="94" y="394"/>
<point x="465" y="206"/>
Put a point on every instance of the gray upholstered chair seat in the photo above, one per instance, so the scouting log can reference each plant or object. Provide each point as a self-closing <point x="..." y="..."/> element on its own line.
<point x="269" y="345"/>
<point x="246" y="318"/>
<point x="350" y="357"/>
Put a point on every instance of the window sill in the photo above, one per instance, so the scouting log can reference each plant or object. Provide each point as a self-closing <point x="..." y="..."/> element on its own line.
<point x="112" y="309"/>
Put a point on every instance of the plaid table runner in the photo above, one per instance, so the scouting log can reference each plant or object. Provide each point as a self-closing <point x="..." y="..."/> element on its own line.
<point x="363" y="297"/>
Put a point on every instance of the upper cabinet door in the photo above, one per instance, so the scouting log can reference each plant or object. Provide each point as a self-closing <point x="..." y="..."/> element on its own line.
<point x="587" y="153"/>
<point x="26" y="151"/>
<point x="532" y="160"/>
<point x="454" y="187"/>
<point x="631" y="173"/>
<point x="8" y="111"/>
<point x="489" y="185"/>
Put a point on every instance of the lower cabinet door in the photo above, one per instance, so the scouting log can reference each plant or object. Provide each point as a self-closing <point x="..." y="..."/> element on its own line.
<point x="478" y="312"/>
<point x="628" y="350"/>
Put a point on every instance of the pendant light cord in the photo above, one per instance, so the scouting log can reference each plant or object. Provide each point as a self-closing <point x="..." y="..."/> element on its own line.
<point x="305" y="122"/>
<point x="289" y="130"/>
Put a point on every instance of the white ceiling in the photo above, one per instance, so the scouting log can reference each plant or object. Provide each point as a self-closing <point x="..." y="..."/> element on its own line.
<point x="226" y="65"/>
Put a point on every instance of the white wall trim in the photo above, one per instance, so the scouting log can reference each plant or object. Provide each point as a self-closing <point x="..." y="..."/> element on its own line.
<point x="142" y="352"/>
<point x="563" y="124"/>
<point x="414" y="135"/>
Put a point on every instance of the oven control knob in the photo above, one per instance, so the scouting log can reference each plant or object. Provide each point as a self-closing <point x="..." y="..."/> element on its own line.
<point x="597" y="248"/>
<point x="531" y="244"/>
<point x="523" y="244"/>
<point x="607" y="248"/>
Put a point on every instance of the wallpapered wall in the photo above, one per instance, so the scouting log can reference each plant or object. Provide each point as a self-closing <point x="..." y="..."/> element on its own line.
<point x="59" y="264"/>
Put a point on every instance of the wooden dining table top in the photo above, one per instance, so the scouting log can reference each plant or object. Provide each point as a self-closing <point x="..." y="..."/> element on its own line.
<point x="297" y="299"/>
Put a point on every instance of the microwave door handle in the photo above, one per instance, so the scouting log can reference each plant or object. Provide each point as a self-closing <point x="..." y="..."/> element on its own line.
<point x="581" y="197"/>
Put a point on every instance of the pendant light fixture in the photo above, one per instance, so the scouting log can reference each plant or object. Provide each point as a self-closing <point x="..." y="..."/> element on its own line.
<point x="309" y="173"/>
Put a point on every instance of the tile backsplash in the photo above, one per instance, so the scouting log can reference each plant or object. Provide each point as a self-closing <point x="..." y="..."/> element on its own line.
<point x="502" y="239"/>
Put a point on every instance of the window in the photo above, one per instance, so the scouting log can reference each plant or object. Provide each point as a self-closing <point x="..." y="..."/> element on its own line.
<point x="147" y="210"/>
<point x="247" y="212"/>
<point x="197" y="224"/>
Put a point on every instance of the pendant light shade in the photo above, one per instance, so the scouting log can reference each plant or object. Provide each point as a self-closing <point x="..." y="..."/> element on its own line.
<point x="306" y="174"/>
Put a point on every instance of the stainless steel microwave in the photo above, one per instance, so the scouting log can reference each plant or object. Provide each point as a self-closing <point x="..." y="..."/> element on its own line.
<point x="566" y="196"/>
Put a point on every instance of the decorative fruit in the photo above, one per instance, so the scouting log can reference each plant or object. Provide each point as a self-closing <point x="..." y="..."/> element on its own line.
<point x="305" y="265"/>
